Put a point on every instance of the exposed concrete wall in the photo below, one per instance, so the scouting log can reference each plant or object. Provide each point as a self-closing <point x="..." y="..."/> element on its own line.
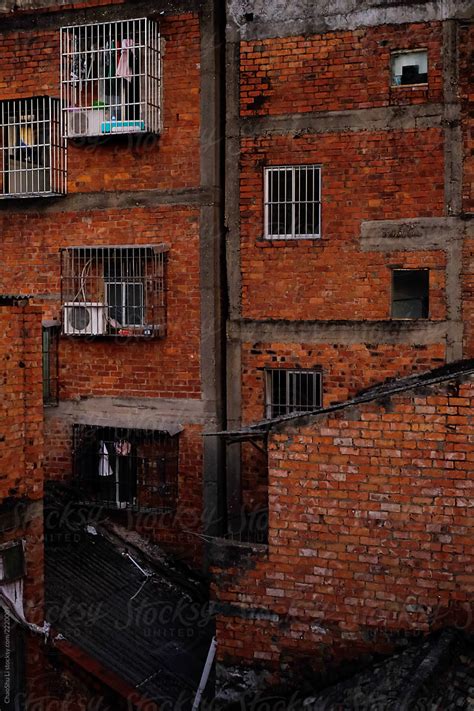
<point x="278" y="18"/>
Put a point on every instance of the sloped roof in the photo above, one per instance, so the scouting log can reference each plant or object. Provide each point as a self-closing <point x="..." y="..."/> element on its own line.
<point x="451" y="371"/>
<point x="146" y="631"/>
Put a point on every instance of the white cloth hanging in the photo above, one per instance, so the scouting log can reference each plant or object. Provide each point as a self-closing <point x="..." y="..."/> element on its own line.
<point x="11" y="600"/>
<point x="123" y="67"/>
<point x="105" y="468"/>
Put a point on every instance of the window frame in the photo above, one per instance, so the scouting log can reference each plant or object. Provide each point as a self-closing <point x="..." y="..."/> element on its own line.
<point x="397" y="53"/>
<point x="20" y="546"/>
<point x="270" y="405"/>
<point x="425" y="300"/>
<point x="268" y="170"/>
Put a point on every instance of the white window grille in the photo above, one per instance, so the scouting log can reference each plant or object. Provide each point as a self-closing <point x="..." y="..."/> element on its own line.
<point x="293" y="202"/>
<point x="111" y="78"/>
<point x="289" y="391"/>
<point x="33" y="151"/>
<point x="409" y="67"/>
<point x="114" y="291"/>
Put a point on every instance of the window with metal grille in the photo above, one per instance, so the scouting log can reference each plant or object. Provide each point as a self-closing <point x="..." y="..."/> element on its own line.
<point x="111" y="78"/>
<point x="12" y="562"/>
<point x="126" y="468"/>
<point x="292" y="391"/>
<point x="410" y="293"/>
<point x="33" y="151"/>
<point x="409" y="67"/>
<point x="50" y="363"/>
<point x="114" y="291"/>
<point x="293" y="202"/>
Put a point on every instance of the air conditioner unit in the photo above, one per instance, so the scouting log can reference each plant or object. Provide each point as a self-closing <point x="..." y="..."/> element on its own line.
<point x="86" y="318"/>
<point x="77" y="123"/>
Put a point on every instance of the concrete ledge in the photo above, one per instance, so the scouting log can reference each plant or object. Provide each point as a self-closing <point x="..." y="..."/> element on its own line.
<point x="417" y="332"/>
<point x="226" y="553"/>
<point x="75" y="202"/>
<point x="387" y="118"/>
<point x="141" y="413"/>
<point x="410" y="234"/>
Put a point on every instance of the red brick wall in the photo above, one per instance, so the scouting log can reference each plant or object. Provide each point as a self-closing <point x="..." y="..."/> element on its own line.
<point x="346" y="369"/>
<point x="365" y="176"/>
<point x="31" y="68"/>
<point x="335" y="71"/>
<point x="371" y="532"/>
<point x="21" y="406"/>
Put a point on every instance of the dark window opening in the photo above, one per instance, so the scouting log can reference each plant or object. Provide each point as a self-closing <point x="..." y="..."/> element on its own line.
<point x="292" y="391"/>
<point x="410" y="293"/>
<point x="50" y="364"/>
<point x="12" y="562"/>
<point x="126" y="468"/>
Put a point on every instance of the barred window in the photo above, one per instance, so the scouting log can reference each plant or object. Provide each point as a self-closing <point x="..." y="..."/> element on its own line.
<point x="293" y="202"/>
<point x="292" y="391"/>
<point x="114" y="291"/>
<point x="110" y="78"/>
<point x="32" y="149"/>
<point x="126" y="468"/>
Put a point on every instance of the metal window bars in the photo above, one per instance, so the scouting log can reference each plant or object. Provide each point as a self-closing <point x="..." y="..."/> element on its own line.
<point x="32" y="149"/>
<point x="292" y="202"/>
<point x="122" y="468"/>
<point x="111" y="78"/>
<point x="114" y="291"/>
<point x="292" y="391"/>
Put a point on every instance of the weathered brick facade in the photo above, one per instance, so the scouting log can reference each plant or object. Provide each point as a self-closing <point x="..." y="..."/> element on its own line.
<point x="130" y="190"/>
<point x="370" y="531"/>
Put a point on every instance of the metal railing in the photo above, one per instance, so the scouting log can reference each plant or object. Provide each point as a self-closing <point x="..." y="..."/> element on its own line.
<point x="114" y="291"/>
<point x="33" y="153"/>
<point x="111" y="78"/>
<point x="120" y="468"/>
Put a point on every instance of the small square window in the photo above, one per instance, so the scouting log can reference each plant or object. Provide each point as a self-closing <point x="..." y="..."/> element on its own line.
<point x="293" y="202"/>
<point x="12" y="562"/>
<point x="409" y="68"/>
<point x="410" y="293"/>
<point x="292" y="391"/>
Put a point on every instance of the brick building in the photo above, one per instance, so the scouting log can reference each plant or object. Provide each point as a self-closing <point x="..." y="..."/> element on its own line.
<point x="203" y="260"/>
<point x="111" y="220"/>
<point x="348" y="214"/>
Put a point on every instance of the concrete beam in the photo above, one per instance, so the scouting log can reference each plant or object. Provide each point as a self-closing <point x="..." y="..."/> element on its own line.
<point x="419" y="332"/>
<point x="78" y="202"/>
<point x="414" y="234"/>
<point x="386" y="118"/>
<point x="258" y="19"/>
<point x="140" y="413"/>
<point x="212" y="263"/>
<point x="23" y="14"/>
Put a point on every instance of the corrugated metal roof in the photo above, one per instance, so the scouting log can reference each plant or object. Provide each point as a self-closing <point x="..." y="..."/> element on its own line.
<point x="151" y="634"/>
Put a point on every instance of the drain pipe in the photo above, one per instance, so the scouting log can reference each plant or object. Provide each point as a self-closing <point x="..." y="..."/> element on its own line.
<point x="205" y="674"/>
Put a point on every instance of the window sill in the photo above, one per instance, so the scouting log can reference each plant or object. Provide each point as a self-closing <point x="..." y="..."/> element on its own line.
<point x="288" y="241"/>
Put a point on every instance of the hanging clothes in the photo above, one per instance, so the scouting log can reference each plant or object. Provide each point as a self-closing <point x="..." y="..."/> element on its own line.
<point x="105" y="468"/>
<point x="123" y="68"/>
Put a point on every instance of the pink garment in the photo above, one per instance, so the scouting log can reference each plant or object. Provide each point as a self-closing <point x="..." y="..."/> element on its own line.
<point x="123" y="67"/>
